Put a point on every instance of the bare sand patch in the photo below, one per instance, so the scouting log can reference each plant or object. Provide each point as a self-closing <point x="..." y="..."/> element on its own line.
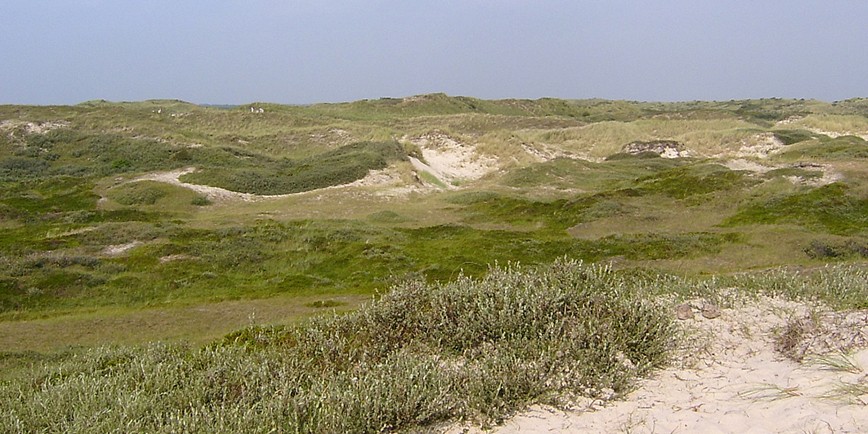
<point x="119" y="249"/>
<point x="33" y="127"/>
<point x="451" y="161"/>
<point x="760" y="145"/>
<point x="729" y="378"/>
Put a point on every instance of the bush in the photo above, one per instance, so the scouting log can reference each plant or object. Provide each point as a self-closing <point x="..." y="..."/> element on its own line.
<point x="422" y="354"/>
<point x="22" y="167"/>
<point x="139" y="193"/>
<point x="270" y="176"/>
<point x="789" y="137"/>
<point x="826" y="250"/>
<point x="832" y="208"/>
<point x="201" y="201"/>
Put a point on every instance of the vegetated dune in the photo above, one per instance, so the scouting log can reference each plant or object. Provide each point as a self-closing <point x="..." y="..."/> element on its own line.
<point x="731" y="375"/>
<point x="113" y="209"/>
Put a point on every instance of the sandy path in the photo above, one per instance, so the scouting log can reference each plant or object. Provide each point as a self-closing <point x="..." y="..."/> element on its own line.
<point x="736" y="383"/>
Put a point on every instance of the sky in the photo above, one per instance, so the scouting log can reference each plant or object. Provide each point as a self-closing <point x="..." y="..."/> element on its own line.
<point x="307" y="51"/>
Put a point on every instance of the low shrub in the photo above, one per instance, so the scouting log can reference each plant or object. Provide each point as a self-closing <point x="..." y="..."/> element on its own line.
<point x="683" y="182"/>
<point x="789" y="137"/>
<point x="818" y="249"/>
<point x="839" y="148"/>
<point x="139" y="193"/>
<point x="422" y="354"/>
<point x="260" y="175"/>
<point x="832" y="208"/>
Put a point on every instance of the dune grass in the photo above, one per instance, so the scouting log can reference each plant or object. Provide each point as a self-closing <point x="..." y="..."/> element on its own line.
<point x="473" y="349"/>
<point x="88" y="257"/>
<point x="832" y="208"/>
<point x="423" y="354"/>
<point x="258" y="174"/>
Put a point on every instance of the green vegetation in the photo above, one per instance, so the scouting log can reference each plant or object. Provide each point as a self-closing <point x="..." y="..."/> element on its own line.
<point x="683" y="182"/>
<point x="832" y="208"/>
<point x="841" y="148"/>
<point x="94" y="250"/>
<point x="788" y="137"/>
<point x="260" y="175"/>
<point x="471" y="349"/>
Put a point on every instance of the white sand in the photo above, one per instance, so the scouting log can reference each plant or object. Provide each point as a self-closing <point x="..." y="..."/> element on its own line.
<point x="449" y="160"/>
<point x="760" y="145"/>
<point x="119" y="249"/>
<point x="730" y="379"/>
<point x="829" y="174"/>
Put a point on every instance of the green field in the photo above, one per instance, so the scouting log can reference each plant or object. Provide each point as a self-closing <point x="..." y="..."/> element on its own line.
<point x="219" y="240"/>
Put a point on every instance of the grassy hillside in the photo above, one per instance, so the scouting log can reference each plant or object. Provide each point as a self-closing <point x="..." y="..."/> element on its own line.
<point x="129" y="223"/>
<point x="560" y="185"/>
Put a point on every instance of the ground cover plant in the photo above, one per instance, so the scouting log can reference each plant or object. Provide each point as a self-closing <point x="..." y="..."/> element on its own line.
<point x="473" y="349"/>
<point x="155" y="221"/>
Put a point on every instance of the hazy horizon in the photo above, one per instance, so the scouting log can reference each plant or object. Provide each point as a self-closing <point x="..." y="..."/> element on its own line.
<point x="303" y="52"/>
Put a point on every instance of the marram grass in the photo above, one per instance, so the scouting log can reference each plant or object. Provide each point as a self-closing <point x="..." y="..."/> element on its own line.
<point x="472" y="349"/>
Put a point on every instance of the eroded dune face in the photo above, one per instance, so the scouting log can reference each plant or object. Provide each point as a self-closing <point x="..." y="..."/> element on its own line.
<point x="451" y="161"/>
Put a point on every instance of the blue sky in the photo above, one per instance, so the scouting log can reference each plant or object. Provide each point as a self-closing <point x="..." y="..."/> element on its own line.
<point x="304" y="51"/>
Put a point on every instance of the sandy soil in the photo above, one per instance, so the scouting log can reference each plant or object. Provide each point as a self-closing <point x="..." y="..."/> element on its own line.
<point x="829" y="174"/>
<point x="760" y="146"/>
<point x="729" y="378"/>
<point x="449" y="160"/>
<point x="33" y="127"/>
<point x="119" y="249"/>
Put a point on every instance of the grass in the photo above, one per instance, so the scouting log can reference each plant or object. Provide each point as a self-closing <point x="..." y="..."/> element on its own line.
<point x="842" y="286"/>
<point x="681" y="183"/>
<point x="194" y="323"/>
<point x="824" y="148"/>
<point x="471" y="350"/>
<point x="832" y="208"/>
<point x="837" y="362"/>
<point x="268" y="258"/>
<point x="770" y="393"/>
<point x="788" y="137"/>
<point x="422" y="354"/>
<point x="199" y="268"/>
<point x="261" y="175"/>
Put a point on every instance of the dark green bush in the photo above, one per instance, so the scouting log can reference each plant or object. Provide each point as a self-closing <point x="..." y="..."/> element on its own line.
<point x="789" y="137"/>
<point x="21" y="167"/>
<point x="270" y="176"/>
<point x="139" y="193"/>
<point x="818" y="249"/>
